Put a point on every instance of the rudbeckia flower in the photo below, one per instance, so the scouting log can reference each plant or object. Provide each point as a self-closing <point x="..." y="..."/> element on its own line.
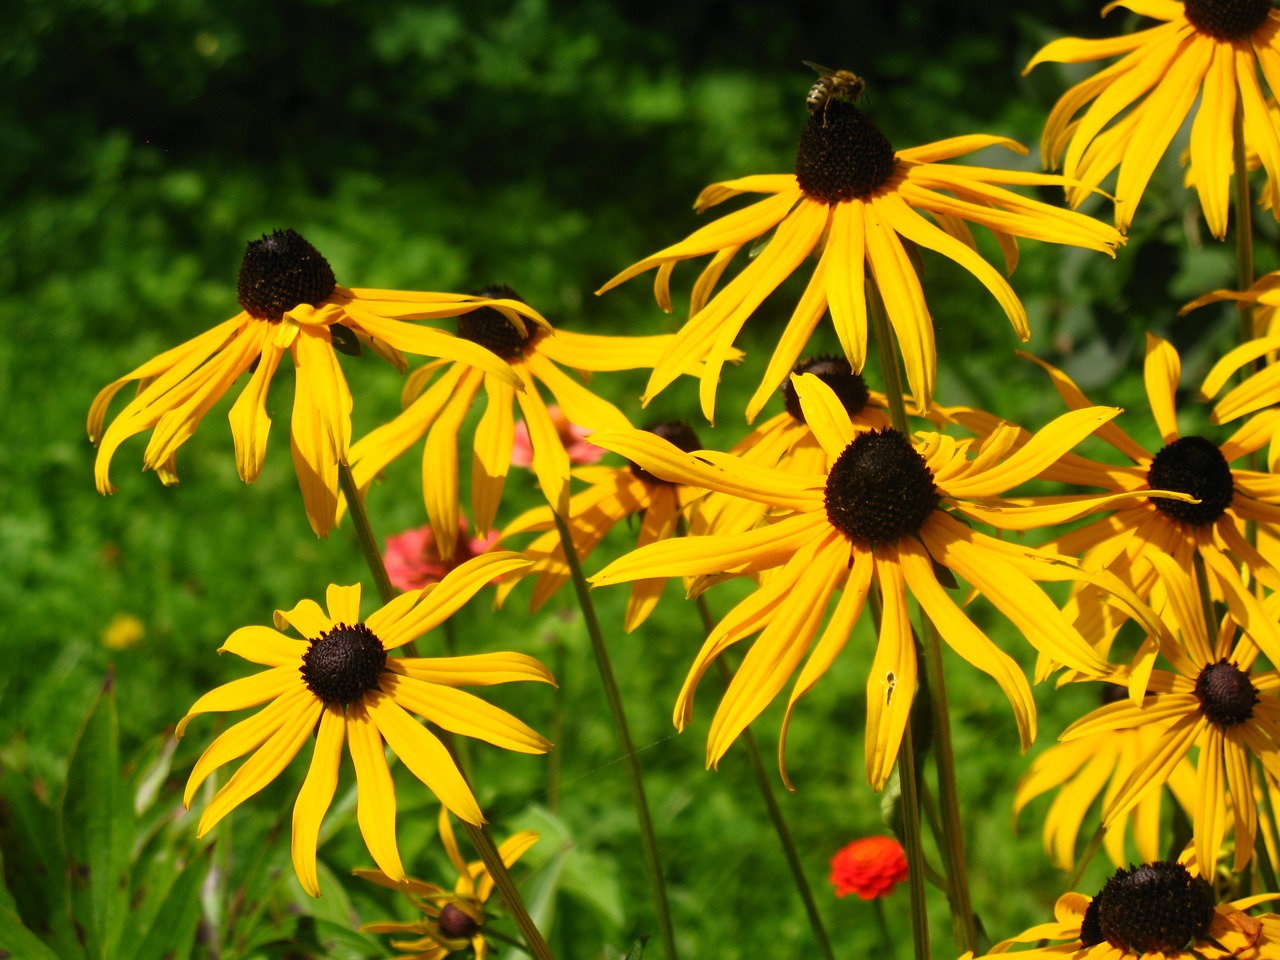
<point x="853" y="201"/>
<point x="614" y="495"/>
<point x="1210" y="49"/>
<point x="1155" y="909"/>
<point x="1132" y="531"/>
<point x="889" y="510"/>
<point x="438" y="410"/>
<point x="1214" y="698"/>
<point x="452" y="921"/>
<point x="339" y="684"/>
<point x="1084" y="768"/>
<point x="291" y="303"/>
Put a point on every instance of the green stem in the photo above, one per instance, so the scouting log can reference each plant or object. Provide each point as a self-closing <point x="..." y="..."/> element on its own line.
<point x="506" y="887"/>
<point x="775" y="812"/>
<point x="882" y="924"/>
<point x="1095" y="843"/>
<point x="492" y="934"/>
<point x="480" y="838"/>
<point x="916" y="865"/>
<point x="648" y="841"/>
<point x="1244" y="225"/>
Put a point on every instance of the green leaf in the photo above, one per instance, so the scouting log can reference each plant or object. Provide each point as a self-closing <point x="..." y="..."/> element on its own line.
<point x="34" y="868"/>
<point x="172" y="934"/>
<point x="17" y="941"/>
<point x="637" y="949"/>
<point x="95" y="824"/>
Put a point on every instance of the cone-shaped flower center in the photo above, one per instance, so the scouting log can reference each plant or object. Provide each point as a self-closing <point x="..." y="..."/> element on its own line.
<point x="842" y="155"/>
<point x="281" y="271"/>
<point x="455" y="924"/>
<point x="837" y="373"/>
<point x="1226" y="694"/>
<point x="343" y="664"/>
<point x="1227" y="19"/>
<point x="880" y="489"/>
<point x="489" y="328"/>
<point x="1194" y="466"/>
<point x="1157" y="906"/>
<point x="676" y="432"/>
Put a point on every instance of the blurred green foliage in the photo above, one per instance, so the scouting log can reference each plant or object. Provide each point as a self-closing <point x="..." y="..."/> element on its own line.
<point x="445" y="146"/>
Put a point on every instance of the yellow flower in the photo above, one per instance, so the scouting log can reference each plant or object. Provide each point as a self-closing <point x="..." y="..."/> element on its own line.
<point x="291" y="304"/>
<point x="1080" y="769"/>
<point x="1213" y="698"/>
<point x="1134" y="530"/>
<point x="339" y="684"/>
<point x="1211" y="49"/>
<point x="1157" y="909"/>
<point x="852" y="201"/>
<point x="889" y="510"/>
<point x="614" y="495"/>
<point x="451" y="921"/>
<point x="438" y="411"/>
<point x="123" y="632"/>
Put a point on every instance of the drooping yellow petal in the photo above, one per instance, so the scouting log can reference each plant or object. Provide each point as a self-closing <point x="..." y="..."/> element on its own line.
<point x="320" y="433"/>
<point x="891" y="682"/>
<point x="577" y="403"/>
<point x="659" y="523"/>
<point x="423" y="755"/>
<point x="550" y="459"/>
<point x="375" y="793"/>
<point x="440" y="465"/>
<point x="1210" y="815"/>
<point x="249" y="421"/>
<point x="1240" y="785"/>
<point x="268" y="760"/>
<point x="491" y="453"/>
<point x="1155" y="768"/>
<point x="315" y="796"/>
<point x="1211" y="145"/>
<point x="899" y="288"/>
<point x="429" y="342"/>
<point x="1161" y="371"/>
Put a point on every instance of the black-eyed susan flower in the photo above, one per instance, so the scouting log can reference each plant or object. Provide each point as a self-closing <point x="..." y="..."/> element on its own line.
<point x="890" y="511"/>
<point x="1125" y="537"/>
<point x="339" y="683"/>
<point x="853" y="201"/>
<point x="1214" y="697"/>
<point x="614" y="495"/>
<point x="291" y="304"/>
<point x="438" y="409"/>
<point x="452" y="920"/>
<point x="1155" y="909"/>
<point x="1084" y="769"/>
<point x="1210" y="49"/>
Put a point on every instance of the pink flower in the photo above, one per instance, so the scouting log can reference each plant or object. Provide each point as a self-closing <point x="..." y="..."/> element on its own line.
<point x="413" y="561"/>
<point x="870" y="867"/>
<point x="571" y="435"/>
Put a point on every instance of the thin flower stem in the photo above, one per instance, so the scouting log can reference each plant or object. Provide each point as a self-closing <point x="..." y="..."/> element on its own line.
<point x="882" y="924"/>
<point x="491" y="934"/>
<point x="1244" y="224"/>
<point x="506" y="887"/>
<point x="648" y="841"/>
<point x="1095" y="843"/>
<point x="480" y="838"/>
<point x="780" y="827"/>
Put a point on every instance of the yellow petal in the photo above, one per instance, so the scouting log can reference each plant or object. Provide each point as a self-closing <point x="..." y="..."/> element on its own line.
<point x="824" y="413"/>
<point x="249" y="421"/>
<point x="491" y="453"/>
<point x="464" y="714"/>
<point x="440" y="465"/>
<point x="375" y="793"/>
<point x="478" y="670"/>
<point x="243" y="693"/>
<point x="267" y="647"/>
<point x="1211" y="137"/>
<point x="891" y="682"/>
<point x="320" y="433"/>
<point x="315" y="796"/>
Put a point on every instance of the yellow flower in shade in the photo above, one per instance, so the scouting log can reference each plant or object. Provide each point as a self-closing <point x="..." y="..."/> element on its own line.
<point x="452" y="920"/>
<point x="1125" y="538"/>
<point x="291" y="305"/>
<point x="614" y="495"/>
<point x="339" y="684"/>
<point x="853" y="201"/>
<point x="1211" y="49"/>
<point x="1158" y="909"/>
<point x="1080" y="770"/>
<point x="437" y="409"/>
<point x="1213" y="698"/>
<point x="123" y="632"/>
<point x="890" y="511"/>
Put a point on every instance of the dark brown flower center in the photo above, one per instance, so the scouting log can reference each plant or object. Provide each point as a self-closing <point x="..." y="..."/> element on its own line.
<point x="1227" y="19"/>
<point x="1226" y="694"/>
<point x="1194" y="466"/>
<point x="880" y="489"/>
<point x="455" y="924"/>
<point x="842" y="155"/>
<point x="1157" y="906"/>
<point x="837" y="373"/>
<point x="676" y="432"/>
<point x="489" y="328"/>
<point x="343" y="664"/>
<point x="281" y="271"/>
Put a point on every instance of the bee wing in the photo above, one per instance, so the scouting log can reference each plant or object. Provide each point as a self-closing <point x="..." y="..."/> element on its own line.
<point x="825" y="71"/>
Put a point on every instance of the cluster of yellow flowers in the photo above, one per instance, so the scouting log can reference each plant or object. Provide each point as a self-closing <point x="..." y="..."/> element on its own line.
<point x="850" y="501"/>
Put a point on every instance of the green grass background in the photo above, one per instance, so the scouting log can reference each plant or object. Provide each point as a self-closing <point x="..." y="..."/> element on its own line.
<point x="545" y="145"/>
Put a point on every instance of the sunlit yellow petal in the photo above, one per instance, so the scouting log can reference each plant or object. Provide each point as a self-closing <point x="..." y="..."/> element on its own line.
<point x="375" y="793"/>
<point x="315" y="796"/>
